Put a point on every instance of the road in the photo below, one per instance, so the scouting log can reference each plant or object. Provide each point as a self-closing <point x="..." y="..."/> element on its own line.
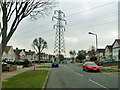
<point x="72" y="76"/>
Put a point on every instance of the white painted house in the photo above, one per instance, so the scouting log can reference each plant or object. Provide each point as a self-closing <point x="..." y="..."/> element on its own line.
<point x="115" y="49"/>
<point x="8" y="53"/>
<point x="108" y="51"/>
<point x="20" y="54"/>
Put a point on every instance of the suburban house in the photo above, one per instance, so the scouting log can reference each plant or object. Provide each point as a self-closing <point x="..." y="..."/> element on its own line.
<point x="45" y="57"/>
<point x="100" y="53"/>
<point x="8" y="53"/>
<point x="42" y="57"/>
<point x="51" y="57"/>
<point x="20" y="54"/>
<point x="108" y="51"/>
<point x="116" y="49"/>
<point x="30" y="55"/>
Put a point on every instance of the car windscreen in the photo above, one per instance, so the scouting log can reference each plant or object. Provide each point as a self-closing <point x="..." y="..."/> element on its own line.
<point x="91" y="64"/>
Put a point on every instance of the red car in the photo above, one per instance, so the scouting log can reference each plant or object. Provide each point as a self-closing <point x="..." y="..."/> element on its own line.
<point x="90" y="66"/>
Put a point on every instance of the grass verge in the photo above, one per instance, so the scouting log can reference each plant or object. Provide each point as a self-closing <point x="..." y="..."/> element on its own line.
<point x="28" y="79"/>
<point x="109" y="70"/>
<point x="43" y="67"/>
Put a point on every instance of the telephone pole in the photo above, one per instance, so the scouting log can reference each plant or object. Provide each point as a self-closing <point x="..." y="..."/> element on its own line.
<point x="59" y="47"/>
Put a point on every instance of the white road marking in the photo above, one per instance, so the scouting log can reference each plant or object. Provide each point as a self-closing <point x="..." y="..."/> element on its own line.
<point x="79" y="74"/>
<point x="98" y="84"/>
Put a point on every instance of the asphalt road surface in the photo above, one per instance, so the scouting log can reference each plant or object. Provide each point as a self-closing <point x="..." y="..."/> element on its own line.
<point x="72" y="76"/>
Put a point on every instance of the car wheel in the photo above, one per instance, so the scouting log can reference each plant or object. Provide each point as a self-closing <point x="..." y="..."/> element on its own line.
<point x="99" y="71"/>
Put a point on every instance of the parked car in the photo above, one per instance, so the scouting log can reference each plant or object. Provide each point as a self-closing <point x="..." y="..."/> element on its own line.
<point x="55" y="64"/>
<point x="63" y="62"/>
<point x="90" y="66"/>
<point x="69" y="61"/>
<point x="11" y="61"/>
<point x="4" y="66"/>
<point x="107" y="60"/>
<point x="19" y="62"/>
<point x="4" y="63"/>
<point x="31" y="62"/>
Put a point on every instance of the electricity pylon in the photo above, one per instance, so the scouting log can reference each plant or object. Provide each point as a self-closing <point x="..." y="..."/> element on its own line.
<point x="59" y="47"/>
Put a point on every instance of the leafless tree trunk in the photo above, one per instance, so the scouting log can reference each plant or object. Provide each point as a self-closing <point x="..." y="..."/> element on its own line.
<point x="39" y="45"/>
<point x="14" y="11"/>
<point x="17" y="11"/>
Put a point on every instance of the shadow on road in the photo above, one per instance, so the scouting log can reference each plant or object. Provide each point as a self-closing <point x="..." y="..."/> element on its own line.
<point x="93" y="71"/>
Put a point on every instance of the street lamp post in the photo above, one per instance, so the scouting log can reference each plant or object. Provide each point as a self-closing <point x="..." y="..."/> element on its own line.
<point x="96" y="42"/>
<point x="96" y="39"/>
<point x="0" y="66"/>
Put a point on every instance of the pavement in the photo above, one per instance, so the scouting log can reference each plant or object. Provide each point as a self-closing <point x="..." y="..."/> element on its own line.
<point x="72" y="76"/>
<point x="6" y="75"/>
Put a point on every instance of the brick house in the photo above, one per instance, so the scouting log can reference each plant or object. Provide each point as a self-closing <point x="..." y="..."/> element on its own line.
<point x="20" y="54"/>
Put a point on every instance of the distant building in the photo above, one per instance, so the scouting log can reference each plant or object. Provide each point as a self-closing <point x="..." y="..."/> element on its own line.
<point x="45" y="57"/>
<point x="8" y="53"/>
<point x="116" y="49"/>
<point x="90" y="54"/>
<point x="100" y="53"/>
<point x="42" y="56"/>
<point x="30" y="55"/>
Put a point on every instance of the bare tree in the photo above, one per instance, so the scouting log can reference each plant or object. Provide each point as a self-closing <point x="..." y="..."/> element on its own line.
<point x="14" y="11"/>
<point x="39" y="45"/>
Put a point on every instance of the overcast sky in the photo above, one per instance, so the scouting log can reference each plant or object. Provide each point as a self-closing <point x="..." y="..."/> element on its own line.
<point x="98" y="16"/>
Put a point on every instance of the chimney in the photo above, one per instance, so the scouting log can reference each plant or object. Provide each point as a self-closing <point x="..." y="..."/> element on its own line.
<point x="24" y="50"/>
<point x="29" y="50"/>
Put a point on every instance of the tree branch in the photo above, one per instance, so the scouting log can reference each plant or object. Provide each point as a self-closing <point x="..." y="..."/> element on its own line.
<point x="9" y="10"/>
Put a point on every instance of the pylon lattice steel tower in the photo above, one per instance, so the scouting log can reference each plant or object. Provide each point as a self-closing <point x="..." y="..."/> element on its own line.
<point x="59" y="47"/>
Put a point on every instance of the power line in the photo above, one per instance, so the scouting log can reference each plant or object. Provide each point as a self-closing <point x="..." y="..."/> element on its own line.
<point x="98" y="25"/>
<point x="93" y="19"/>
<point x="72" y="15"/>
<point x="84" y="22"/>
<point x="34" y="28"/>
<point x="44" y="32"/>
<point x="90" y="9"/>
<point x="50" y="22"/>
